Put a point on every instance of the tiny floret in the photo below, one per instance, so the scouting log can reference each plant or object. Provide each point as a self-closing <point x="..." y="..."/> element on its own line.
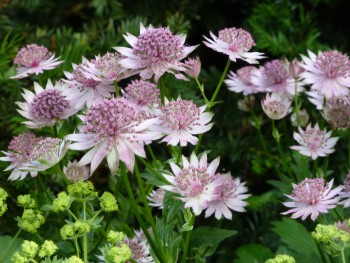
<point x="82" y="189"/>
<point x="74" y="259"/>
<point x="62" y="202"/>
<point x="29" y="249"/>
<point x="47" y="249"/>
<point x="281" y="259"/>
<point x="31" y="220"/>
<point x="108" y="202"/>
<point x="26" y="201"/>
<point x="114" y="236"/>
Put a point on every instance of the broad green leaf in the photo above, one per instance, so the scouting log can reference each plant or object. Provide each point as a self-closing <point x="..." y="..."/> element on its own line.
<point x="6" y="252"/>
<point x="209" y="236"/>
<point x="253" y="253"/>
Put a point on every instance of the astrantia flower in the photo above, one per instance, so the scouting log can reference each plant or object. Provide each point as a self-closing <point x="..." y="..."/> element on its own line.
<point x="293" y="68"/>
<point x="276" y="106"/>
<point x="115" y="129"/>
<point x="300" y="119"/>
<point x="314" y="142"/>
<point x="76" y="172"/>
<point x="140" y="250"/>
<point x="154" y="52"/>
<point x="85" y="89"/>
<point x="274" y="77"/>
<point x="180" y="119"/>
<point x="156" y="197"/>
<point x="241" y="81"/>
<point x="316" y="98"/>
<point x="34" y="59"/>
<point x="346" y="193"/>
<point x="18" y="154"/>
<point x="327" y="72"/>
<point x="46" y="106"/>
<point x="337" y="112"/>
<point x="236" y="43"/>
<point x="230" y="195"/>
<point x="193" y="67"/>
<point x="194" y="182"/>
<point x="311" y="197"/>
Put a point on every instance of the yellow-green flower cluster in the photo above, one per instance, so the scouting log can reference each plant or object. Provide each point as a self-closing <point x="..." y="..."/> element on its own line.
<point x="117" y="254"/>
<point x="74" y="259"/>
<point x="281" y="259"/>
<point x="81" y="190"/>
<point x="114" y="237"/>
<point x="76" y="229"/>
<point x="3" y="205"/>
<point x="26" y="201"/>
<point x="62" y="202"/>
<point x="29" y="249"/>
<point x="47" y="249"/>
<point x="108" y="202"/>
<point x="31" y="220"/>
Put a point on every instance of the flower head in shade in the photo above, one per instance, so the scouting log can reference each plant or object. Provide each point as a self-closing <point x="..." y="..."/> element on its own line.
<point x="247" y="103"/>
<point x="241" y="81"/>
<point x="346" y="192"/>
<point x="194" y="182"/>
<point x="311" y="197"/>
<point x="234" y="42"/>
<point x="300" y="119"/>
<point x="116" y="129"/>
<point x="154" y="52"/>
<point x="76" y="172"/>
<point x="156" y="197"/>
<point x="327" y="72"/>
<point x="46" y="106"/>
<point x="231" y="194"/>
<point x="314" y="142"/>
<point x="34" y="59"/>
<point x="336" y="112"/>
<point x="140" y="250"/>
<point x="85" y="88"/>
<point x="193" y="67"/>
<point x="276" y="106"/>
<point x="274" y="77"/>
<point x="180" y="119"/>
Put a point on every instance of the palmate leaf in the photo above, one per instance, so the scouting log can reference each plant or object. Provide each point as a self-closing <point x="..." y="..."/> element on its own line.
<point x="6" y="253"/>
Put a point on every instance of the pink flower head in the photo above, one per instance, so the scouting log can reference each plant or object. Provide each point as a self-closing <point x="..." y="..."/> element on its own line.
<point x="274" y="77"/>
<point x="154" y="52"/>
<point x="230" y="195"/>
<point x="316" y="98"/>
<point x="156" y="197"/>
<point x="75" y="172"/>
<point x="34" y="59"/>
<point x="311" y="197"/>
<point x="193" y="67"/>
<point x="140" y="250"/>
<point x="116" y="129"/>
<point x="328" y="72"/>
<point x="241" y="81"/>
<point x="85" y="88"/>
<point x="236" y="43"/>
<point x="194" y="182"/>
<point x="180" y="119"/>
<point x="293" y="68"/>
<point x="46" y="106"/>
<point x="346" y="193"/>
<point x="314" y="142"/>
<point x="276" y="106"/>
<point x="337" y="112"/>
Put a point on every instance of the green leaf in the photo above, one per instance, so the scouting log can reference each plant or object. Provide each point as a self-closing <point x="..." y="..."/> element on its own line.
<point x="5" y="241"/>
<point x="172" y="206"/>
<point x="209" y="236"/>
<point x="253" y="253"/>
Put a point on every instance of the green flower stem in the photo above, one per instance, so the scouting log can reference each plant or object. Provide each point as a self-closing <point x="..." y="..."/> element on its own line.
<point x="198" y="143"/>
<point x="11" y="244"/>
<point x="161" y="89"/>
<point x="44" y="188"/>
<point x="201" y="88"/>
<point x="77" y="247"/>
<point x="186" y="245"/>
<point x="137" y="214"/>
<point x="148" y="211"/>
<point x="72" y="214"/>
<point x="85" y="235"/>
<point x="59" y="171"/>
<point x="151" y="152"/>
<point x="296" y="103"/>
<point x="117" y="94"/>
<point x="149" y="167"/>
<point x="261" y="137"/>
<point x="342" y="256"/>
<point x="96" y="214"/>
<point x="54" y="130"/>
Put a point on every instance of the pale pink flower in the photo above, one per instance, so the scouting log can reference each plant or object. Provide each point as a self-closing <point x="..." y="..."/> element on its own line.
<point x="311" y="197"/>
<point x="193" y="67"/>
<point x="47" y="106"/>
<point x="154" y="52"/>
<point x="180" y="119"/>
<point x="276" y="106"/>
<point x="194" y="182"/>
<point x="156" y="197"/>
<point x="116" y="129"/>
<point x="236" y="43"/>
<point x="85" y="89"/>
<point x="337" y="112"/>
<point x="75" y="172"/>
<point x="293" y="68"/>
<point x="346" y="192"/>
<point x="274" y="77"/>
<point x="241" y="81"/>
<point x="231" y="194"/>
<point x="343" y="225"/>
<point x="316" y="98"/>
<point x="140" y="250"/>
<point x="328" y="72"/>
<point x="34" y="59"/>
<point x="314" y="142"/>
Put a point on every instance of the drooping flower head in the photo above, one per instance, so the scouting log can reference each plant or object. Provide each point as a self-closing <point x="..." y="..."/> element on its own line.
<point x="193" y="67"/>
<point x="337" y="112"/>
<point x="276" y="106"/>
<point x="116" y="129"/>
<point x="230" y="196"/>
<point x="241" y="81"/>
<point x="314" y="142"/>
<point x="293" y="68"/>
<point x="328" y="72"/>
<point x="76" y="172"/>
<point x="234" y="42"/>
<point x="154" y="52"/>
<point x="156" y="197"/>
<point x="34" y="59"/>
<point x="46" y="106"/>
<point x="180" y="119"/>
<point x="311" y="197"/>
<point x="194" y="182"/>
<point x="85" y="88"/>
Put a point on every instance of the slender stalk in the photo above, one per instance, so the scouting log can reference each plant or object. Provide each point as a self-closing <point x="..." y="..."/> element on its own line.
<point x="117" y="93"/>
<point x="151" y="152"/>
<point x="77" y="247"/>
<point x="73" y="215"/>
<point x="185" y="250"/>
<point x="11" y="244"/>
<point x="261" y="137"/>
<point x="149" y="167"/>
<point x="96" y="214"/>
<point x="54" y="130"/>
<point x="219" y="84"/>
<point x="198" y="143"/>
<point x="342" y="256"/>
<point x="161" y="89"/>
<point x="137" y="214"/>
<point x="296" y="103"/>
<point x="85" y="235"/>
